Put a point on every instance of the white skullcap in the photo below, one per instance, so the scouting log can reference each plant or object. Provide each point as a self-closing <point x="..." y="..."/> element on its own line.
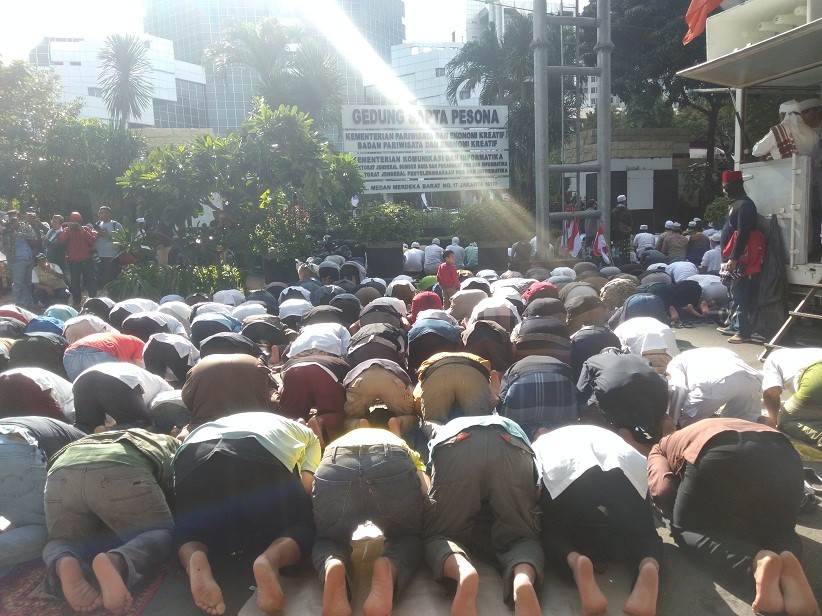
<point x="790" y="106"/>
<point x="621" y="199"/>
<point x="455" y="240"/>
<point x="669" y="224"/>
<point x="809" y="103"/>
<point x="697" y="219"/>
<point x="643" y="227"/>
<point x="436" y="241"/>
<point x="415" y="244"/>
<point x="677" y="226"/>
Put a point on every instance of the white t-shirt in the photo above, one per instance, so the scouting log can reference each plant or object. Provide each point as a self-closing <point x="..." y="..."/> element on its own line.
<point x="681" y="270"/>
<point x="329" y="337"/>
<point x="702" y="367"/>
<point x="563" y="455"/>
<point x="59" y="387"/>
<point x="133" y="376"/>
<point x="712" y="260"/>
<point x="645" y="334"/>
<point x="35" y="279"/>
<point x="644" y="240"/>
<point x="414" y="259"/>
<point x="784" y="367"/>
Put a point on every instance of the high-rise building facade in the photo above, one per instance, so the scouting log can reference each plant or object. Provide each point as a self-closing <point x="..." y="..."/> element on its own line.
<point x="178" y="88"/>
<point x="193" y="25"/>
<point x="422" y="68"/>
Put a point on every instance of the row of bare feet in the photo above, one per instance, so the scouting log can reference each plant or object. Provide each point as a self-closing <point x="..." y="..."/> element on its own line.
<point x="781" y="585"/>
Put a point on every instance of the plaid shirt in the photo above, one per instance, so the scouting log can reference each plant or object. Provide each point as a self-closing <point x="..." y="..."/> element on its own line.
<point x="542" y="393"/>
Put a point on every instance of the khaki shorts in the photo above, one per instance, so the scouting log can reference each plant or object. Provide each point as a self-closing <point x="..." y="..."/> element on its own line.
<point x="454" y="389"/>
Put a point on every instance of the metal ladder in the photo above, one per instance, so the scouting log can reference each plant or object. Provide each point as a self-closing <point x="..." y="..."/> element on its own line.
<point x="799" y="312"/>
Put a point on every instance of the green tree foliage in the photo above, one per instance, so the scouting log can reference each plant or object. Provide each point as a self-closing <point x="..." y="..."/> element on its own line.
<point x="153" y="281"/>
<point x="503" y="75"/>
<point x="497" y="221"/>
<point x="388" y="222"/>
<point x="124" y="78"/>
<point x="278" y="180"/>
<point x="289" y="66"/>
<point x="29" y="107"/>
<point x="78" y="164"/>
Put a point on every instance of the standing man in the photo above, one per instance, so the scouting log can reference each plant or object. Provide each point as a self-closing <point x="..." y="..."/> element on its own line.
<point x="55" y="251"/>
<point x="105" y="247"/>
<point x="736" y="235"/>
<point x="621" y="228"/>
<point x="79" y="242"/>
<point x="18" y="239"/>
<point x="675" y="244"/>
<point x="698" y="244"/>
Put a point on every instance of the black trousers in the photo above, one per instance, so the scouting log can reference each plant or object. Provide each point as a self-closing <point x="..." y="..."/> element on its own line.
<point x="97" y="394"/>
<point x="159" y="356"/>
<point x="236" y="496"/>
<point x="602" y="516"/>
<point x="742" y="496"/>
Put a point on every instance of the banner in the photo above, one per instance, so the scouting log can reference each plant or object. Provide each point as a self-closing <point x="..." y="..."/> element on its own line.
<point x="431" y="149"/>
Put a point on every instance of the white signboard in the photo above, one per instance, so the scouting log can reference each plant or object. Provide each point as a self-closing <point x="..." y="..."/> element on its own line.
<point x="428" y="148"/>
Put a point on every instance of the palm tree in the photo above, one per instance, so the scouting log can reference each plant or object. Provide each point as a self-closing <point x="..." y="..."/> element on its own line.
<point x="289" y="66"/>
<point x="124" y="78"/>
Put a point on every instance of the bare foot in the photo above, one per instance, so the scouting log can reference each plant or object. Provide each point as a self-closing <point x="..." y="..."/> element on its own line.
<point x="269" y="592"/>
<point x="380" y="600"/>
<point x="642" y="601"/>
<point x="797" y="593"/>
<point x="465" y="599"/>
<point x="335" y="591"/>
<point x="80" y="595"/>
<point x="593" y="601"/>
<point x="767" y="570"/>
<point x="116" y="597"/>
<point x="525" y="597"/>
<point x="394" y="426"/>
<point x="205" y="590"/>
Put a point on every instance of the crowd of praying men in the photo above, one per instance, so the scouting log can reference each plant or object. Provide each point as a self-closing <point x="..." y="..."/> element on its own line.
<point x="549" y="413"/>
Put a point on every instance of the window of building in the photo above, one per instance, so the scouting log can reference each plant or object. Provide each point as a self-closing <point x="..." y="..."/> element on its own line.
<point x="56" y="63"/>
<point x="440" y="72"/>
<point x="95" y="92"/>
<point x="74" y="63"/>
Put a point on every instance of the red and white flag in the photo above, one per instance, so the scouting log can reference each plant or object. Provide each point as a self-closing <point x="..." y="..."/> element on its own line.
<point x="600" y="247"/>
<point x="573" y="240"/>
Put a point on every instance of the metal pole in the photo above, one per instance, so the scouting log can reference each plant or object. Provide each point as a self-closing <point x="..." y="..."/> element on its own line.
<point x="577" y="104"/>
<point x="603" y="48"/>
<point x="739" y="133"/>
<point x="540" y="46"/>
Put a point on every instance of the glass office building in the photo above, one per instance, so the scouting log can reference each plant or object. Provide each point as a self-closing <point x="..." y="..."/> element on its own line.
<point x="193" y="25"/>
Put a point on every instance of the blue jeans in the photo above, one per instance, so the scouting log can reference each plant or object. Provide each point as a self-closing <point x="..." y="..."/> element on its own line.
<point x="22" y="480"/>
<point x="80" y="358"/>
<point x="21" y="281"/>
<point x="743" y="293"/>
<point x="369" y="482"/>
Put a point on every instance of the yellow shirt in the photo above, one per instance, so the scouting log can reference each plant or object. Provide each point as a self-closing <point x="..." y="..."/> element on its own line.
<point x="377" y="436"/>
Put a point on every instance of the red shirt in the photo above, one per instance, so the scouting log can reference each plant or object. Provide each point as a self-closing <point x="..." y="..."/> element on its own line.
<point x="120" y="346"/>
<point x="78" y="243"/>
<point x="447" y="276"/>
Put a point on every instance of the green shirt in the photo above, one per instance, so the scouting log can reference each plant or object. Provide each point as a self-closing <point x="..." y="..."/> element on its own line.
<point x="134" y="447"/>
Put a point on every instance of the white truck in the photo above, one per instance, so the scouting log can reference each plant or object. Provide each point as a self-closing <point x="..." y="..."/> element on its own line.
<point x="772" y="45"/>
